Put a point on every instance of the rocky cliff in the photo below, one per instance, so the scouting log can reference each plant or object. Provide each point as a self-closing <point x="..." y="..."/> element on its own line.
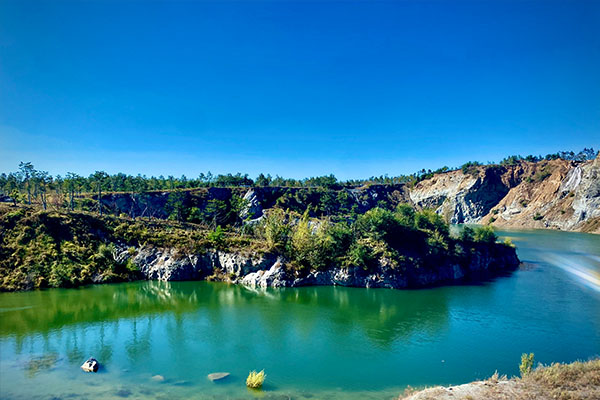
<point x="554" y="194"/>
<point x="268" y="270"/>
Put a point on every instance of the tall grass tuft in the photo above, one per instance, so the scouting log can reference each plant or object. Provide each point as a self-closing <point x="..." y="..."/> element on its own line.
<point x="255" y="379"/>
<point x="526" y="364"/>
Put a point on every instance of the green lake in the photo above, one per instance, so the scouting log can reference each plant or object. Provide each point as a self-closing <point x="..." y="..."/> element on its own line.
<point x="313" y="342"/>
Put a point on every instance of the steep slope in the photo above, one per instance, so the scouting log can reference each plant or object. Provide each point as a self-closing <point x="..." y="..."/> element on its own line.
<point x="555" y="194"/>
<point x="568" y="199"/>
<point x="462" y="197"/>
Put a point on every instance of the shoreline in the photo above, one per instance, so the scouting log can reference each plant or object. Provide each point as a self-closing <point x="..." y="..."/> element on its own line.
<point x="576" y="380"/>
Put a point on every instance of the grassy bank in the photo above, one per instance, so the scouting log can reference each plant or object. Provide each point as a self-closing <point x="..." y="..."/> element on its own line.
<point x="578" y="380"/>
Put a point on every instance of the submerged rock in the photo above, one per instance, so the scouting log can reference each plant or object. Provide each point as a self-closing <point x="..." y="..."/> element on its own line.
<point x="91" y="365"/>
<point x="216" y="376"/>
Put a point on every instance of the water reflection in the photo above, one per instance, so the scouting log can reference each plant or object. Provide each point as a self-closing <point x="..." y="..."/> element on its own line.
<point x="383" y="315"/>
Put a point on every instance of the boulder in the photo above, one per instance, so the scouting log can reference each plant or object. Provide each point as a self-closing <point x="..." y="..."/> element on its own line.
<point x="91" y="365"/>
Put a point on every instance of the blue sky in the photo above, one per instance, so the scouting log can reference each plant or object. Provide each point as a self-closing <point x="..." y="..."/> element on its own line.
<point x="294" y="88"/>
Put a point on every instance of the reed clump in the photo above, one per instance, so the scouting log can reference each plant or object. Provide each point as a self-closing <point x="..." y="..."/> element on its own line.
<point x="255" y="379"/>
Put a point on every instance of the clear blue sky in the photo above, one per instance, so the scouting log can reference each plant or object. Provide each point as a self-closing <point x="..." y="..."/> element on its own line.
<point x="294" y="88"/>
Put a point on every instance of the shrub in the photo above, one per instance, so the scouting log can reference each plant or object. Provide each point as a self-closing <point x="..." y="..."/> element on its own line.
<point x="195" y="215"/>
<point x="217" y="237"/>
<point x="467" y="234"/>
<point x="437" y="243"/>
<point x="303" y="243"/>
<point x="405" y="214"/>
<point x="523" y="203"/>
<point x="485" y="234"/>
<point x="377" y="222"/>
<point x="361" y="254"/>
<point x="541" y="175"/>
<point x="275" y="229"/>
<point x="255" y="379"/>
<point x="318" y="246"/>
<point x="526" y="364"/>
<point x="429" y="220"/>
<point x="538" y="217"/>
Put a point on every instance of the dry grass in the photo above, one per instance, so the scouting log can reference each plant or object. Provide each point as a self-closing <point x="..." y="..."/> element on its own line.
<point x="578" y="380"/>
<point x="575" y="381"/>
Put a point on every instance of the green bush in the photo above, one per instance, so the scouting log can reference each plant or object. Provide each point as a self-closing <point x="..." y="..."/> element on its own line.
<point x="377" y="222"/>
<point x="485" y="234"/>
<point x="361" y="254"/>
<point x="405" y="215"/>
<point x="523" y="203"/>
<point x="467" y="234"/>
<point x="540" y="175"/>
<point x="429" y="220"/>
<point x="275" y="229"/>
<point x="217" y="237"/>
<point x="195" y="215"/>
<point x="316" y="247"/>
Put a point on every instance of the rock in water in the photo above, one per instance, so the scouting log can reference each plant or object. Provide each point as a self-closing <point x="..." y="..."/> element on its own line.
<point x="216" y="376"/>
<point x="91" y="365"/>
<point x="158" y="378"/>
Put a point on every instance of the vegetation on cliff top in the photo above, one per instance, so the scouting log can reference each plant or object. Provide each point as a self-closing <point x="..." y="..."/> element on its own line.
<point x="28" y="183"/>
<point x="63" y="249"/>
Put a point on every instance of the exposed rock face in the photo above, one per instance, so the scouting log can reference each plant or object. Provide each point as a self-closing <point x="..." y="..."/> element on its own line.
<point x="168" y="265"/>
<point x="460" y="197"/>
<point x="171" y="265"/>
<point x="555" y="194"/>
<point x="253" y="210"/>
<point x="275" y="276"/>
<point x="269" y="271"/>
<point x="558" y="195"/>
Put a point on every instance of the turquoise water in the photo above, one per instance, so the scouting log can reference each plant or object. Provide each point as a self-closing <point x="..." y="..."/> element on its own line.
<point x="315" y="342"/>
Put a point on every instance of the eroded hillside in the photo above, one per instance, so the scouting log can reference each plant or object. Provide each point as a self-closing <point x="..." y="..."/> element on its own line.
<point x="555" y="194"/>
